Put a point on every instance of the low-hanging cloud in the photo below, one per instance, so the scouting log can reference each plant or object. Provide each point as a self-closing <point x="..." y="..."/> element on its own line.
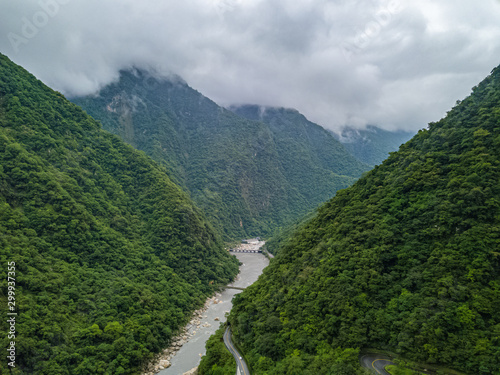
<point x="393" y="63"/>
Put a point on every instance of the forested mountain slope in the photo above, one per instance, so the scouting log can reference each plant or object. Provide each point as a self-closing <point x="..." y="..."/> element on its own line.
<point x="235" y="169"/>
<point x="407" y="259"/>
<point x="110" y="255"/>
<point x="311" y="158"/>
<point x="373" y="144"/>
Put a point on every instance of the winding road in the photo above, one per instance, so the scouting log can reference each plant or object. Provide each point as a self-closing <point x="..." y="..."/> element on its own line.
<point x="241" y="366"/>
<point x="376" y="363"/>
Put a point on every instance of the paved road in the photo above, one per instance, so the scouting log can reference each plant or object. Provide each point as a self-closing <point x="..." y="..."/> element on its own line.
<point x="241" y="365"/>
<point x="376" y="363"/>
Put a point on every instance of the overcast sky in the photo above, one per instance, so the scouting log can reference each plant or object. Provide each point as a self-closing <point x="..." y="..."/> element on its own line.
<point x="398" y="64"/>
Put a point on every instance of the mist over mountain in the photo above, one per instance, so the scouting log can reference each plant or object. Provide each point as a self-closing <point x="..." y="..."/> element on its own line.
<point x="373" y="144"/>
<point x="388" y="62"/>
<point x="249" y="176"/>
<point x="294" y="133"/>
<point x="192" y="125"/>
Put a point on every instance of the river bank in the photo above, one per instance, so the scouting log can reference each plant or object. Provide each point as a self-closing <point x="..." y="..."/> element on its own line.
<point x="162" y="361"/>
<point x="187" y="348"/>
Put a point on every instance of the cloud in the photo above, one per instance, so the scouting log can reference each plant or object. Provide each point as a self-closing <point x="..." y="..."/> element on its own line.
<point x="393" y="63"/>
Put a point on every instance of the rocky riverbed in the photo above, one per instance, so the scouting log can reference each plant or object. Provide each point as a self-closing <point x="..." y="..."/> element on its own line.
<point x="162" y="361"/>
<point x="183" y="356"/>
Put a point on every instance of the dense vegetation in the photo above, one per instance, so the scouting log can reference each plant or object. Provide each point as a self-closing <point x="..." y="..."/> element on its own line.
<point x="312" y="160"/>
<point x="110" y="255"/>
<point x="250" y="178"/>
<point x="405" y="260"/>
<point x="372" y="145"/>
<point x="219" y="361"/>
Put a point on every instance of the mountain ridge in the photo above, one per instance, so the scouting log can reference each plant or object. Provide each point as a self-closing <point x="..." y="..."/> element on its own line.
<point x="373" y="144"/>
<point x="405" y="260"/>
<point x="232" y="166"/>
<point x="111" y="257"/>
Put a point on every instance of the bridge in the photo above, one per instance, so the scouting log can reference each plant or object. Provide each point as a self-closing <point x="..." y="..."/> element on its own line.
<point x="234" y="287"/>
<point x="244" y="251"/>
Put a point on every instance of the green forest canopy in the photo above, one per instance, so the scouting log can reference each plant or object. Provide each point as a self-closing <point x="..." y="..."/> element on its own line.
<point x="407" y="260"/>
<point x="111" y="256"/>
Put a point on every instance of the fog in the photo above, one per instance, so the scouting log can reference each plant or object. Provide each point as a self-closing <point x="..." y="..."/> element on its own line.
<point x="396" y="64"/>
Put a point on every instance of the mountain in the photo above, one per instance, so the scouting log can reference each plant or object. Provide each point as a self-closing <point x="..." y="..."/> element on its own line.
<point x="373" y="144"/>
<point x="250" y="178"/>
<point x="405" y="260"/>
<point x="312" y="160"/>
<point x="106" y="256"/>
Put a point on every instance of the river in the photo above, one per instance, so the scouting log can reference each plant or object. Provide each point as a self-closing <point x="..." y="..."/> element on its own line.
<point x="188" y="356"/>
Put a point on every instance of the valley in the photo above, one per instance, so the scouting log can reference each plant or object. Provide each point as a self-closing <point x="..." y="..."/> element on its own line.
<point x="120" y="211"/>
<point x="250" y="174"/>
<point x="207" y="321"/>
<point x="111" y="256"/>
<point x="406" y="260"/>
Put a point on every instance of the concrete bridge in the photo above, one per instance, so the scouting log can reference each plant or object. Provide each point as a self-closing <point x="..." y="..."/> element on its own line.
<point x="244" y="251"/>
